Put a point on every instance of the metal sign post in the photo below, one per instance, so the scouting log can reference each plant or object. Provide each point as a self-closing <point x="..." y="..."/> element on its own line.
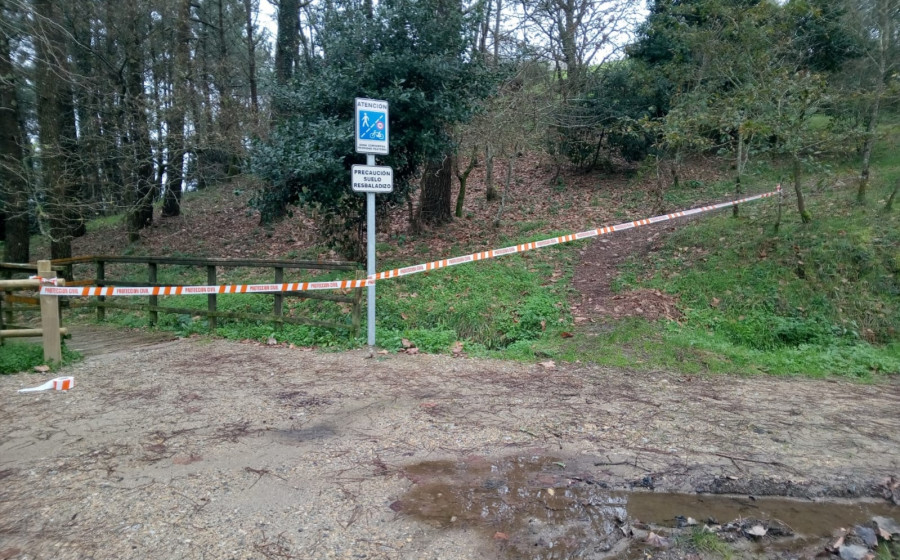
<point x="370" y="260"/>
<point x="371" y="133"/>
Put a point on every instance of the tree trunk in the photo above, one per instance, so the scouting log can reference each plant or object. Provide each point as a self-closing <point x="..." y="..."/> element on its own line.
<point x="175" y="138"/>
<point x="286" y="40"/>
<point x="889" y="205"/>
<point x="13" y="183"/>
<point x="51" y="89"/>
<point x="491" y="193"/>
<point x="139" y="194"/>
<point x="801" y="205"/>
<point x="71" y="213"/>
<point x="567" y="30"/>
<point x="509" y="175"/>
<point x="484" y="27"/>
<point x="86" y="106"/>
<point x="112" y="124"/>
<point x="886" y="22"/>
<point x="436" y="192"/>
<point x="463" y="178"/>
<point x="869" y="143"/>
<point x="251" y="58"/>
<point x="658" y="193"/>
<point x="228" y="109"/>
<point x="497" y="17"/>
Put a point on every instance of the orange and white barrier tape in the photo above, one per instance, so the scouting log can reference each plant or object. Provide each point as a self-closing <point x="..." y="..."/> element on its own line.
<point x="406" y="271"/>
<point x="43" y="280"/>
<point x="87" y="291"/>
<point x="58" y="384"/>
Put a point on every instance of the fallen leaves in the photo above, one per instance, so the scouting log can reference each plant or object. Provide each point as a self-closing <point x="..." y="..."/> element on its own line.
<point x="658" y="541"/>
<point x="408" y="347"/>
<point x="549" y="364"/>
<point x="42" y="369"/>
<point x="890" y="489"/>
<point x="887" y="525"/>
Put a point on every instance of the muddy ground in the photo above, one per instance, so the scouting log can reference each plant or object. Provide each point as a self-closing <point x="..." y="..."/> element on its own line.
<point x="204" y="448"/>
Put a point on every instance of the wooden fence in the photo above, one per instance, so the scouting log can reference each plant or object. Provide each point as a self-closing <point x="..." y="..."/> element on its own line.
<point x="50" y="331"/>
<point x="99" y="276"/>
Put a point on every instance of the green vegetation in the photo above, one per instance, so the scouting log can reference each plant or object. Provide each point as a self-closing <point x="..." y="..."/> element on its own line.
<point x="493" y="306"/>
<point x="190" y="324"/>
<point x="709" y="543"/>
<point x="814" y="299"/>
<point x="19" y="356"/>
<point x="420" y="67"/>
<point x="888" y="550"/>
<point x="432" y="311"/>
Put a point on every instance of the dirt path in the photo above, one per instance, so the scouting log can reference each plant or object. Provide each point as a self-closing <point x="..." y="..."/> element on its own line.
<point x="599" y="267"/>
<point x="93" y="340"/>
<point x="214" y="449"/>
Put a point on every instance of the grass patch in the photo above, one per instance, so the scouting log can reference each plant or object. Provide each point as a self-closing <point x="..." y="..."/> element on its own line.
<point x="816" y="299"/>
<point x="888" y="550"/>
<point x="186" y="324"/>
<point x="709" y="543"/>
<point x="17" y="357"/>
<point x="494" y="306"/>
<point x="104" y="222"/>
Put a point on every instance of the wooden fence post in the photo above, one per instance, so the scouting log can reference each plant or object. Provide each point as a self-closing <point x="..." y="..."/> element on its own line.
<point x="50" y="319"/>
<point x="101" y="277"/>
<point x="211" y="298"/>
<point x="154" y="301"/>
<point x="279" y="299"/>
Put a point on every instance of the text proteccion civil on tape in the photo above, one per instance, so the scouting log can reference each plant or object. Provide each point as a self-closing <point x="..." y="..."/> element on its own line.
<point x="107" y="291"/>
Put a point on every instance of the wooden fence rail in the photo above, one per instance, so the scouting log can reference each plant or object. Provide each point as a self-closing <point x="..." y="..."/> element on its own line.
<point x="99" y="276"/>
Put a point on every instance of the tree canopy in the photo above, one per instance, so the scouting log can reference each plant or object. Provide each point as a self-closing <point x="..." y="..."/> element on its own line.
<point x="412" y="54"/>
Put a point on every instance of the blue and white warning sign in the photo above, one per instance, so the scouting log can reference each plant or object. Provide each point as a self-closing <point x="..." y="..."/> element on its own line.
<point x="371" y="126"/>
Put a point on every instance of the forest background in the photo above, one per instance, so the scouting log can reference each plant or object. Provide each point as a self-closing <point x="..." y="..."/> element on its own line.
<point x="120" y="108"/>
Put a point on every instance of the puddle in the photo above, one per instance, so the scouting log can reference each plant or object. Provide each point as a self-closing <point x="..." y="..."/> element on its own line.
<point x="538" y="507"/>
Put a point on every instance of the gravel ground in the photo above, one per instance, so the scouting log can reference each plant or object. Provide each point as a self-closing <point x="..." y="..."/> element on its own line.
<point x="212" y="449"/>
